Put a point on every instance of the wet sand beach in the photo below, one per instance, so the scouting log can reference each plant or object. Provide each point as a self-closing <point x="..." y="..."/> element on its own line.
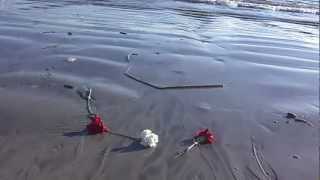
<point x="171" y="66"/>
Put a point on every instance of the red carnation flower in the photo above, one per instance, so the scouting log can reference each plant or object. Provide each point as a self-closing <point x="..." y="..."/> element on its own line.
<point x="96" y="126"/>
<point x="201" y="137"/>
<point x="204" y="137"/>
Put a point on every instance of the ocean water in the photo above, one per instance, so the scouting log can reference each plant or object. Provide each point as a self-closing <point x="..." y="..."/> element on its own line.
<point x="278" y="34"/>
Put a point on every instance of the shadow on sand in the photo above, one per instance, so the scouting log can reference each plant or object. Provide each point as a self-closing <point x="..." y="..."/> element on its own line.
<point x="76" y="133"/>
<point x="134" y="146"/>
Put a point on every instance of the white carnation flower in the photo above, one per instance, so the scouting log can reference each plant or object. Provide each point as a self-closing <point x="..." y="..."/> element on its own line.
<point x="145" y="132"/>
<point x="148" y="138"/>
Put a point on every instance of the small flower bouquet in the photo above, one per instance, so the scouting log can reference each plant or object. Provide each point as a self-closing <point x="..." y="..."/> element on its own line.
<point x="201" y="137"/>
<point x="149" y="139"/>
<point x="96" y="126"/>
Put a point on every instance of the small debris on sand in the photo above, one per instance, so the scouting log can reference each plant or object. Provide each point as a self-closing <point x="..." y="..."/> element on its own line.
<point x="236" y="169"/>
<point x="296" y="156"/>
<point x="123" y="33"/>
<point x="131" y="54"/>
<point x="294" y="117"/>
<point x="204" y="106"/>
<point x="50" y="46"/>
<point x="69" y="33"/>
<point x="71" y="59"/>
<point x="68" y="86"/>
<point x="291" y="116"/>
<point x="48" y="32"/>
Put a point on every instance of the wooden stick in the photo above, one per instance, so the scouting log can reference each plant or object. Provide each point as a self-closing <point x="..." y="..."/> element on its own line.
<point x="173" y="87"/>
<point x="303" y="121"/>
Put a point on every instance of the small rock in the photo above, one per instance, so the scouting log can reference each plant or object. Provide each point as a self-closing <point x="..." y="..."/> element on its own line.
<point x="296" y="156"/>
<point x="275" y="122"/>
<point x="123" y="33"/>
<point x="72" y="59"/>
<point x="291" y="116"/>
<point x="69" y="33"/>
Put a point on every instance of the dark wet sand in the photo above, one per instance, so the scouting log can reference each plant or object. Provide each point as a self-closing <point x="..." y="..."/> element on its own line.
<point x="263" y="78"/>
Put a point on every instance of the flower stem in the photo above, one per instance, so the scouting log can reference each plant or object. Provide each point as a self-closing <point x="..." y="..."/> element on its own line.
<point x="89" y="99"/>
<point x="189" y="148"/>
<point x="125" y="136"/>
